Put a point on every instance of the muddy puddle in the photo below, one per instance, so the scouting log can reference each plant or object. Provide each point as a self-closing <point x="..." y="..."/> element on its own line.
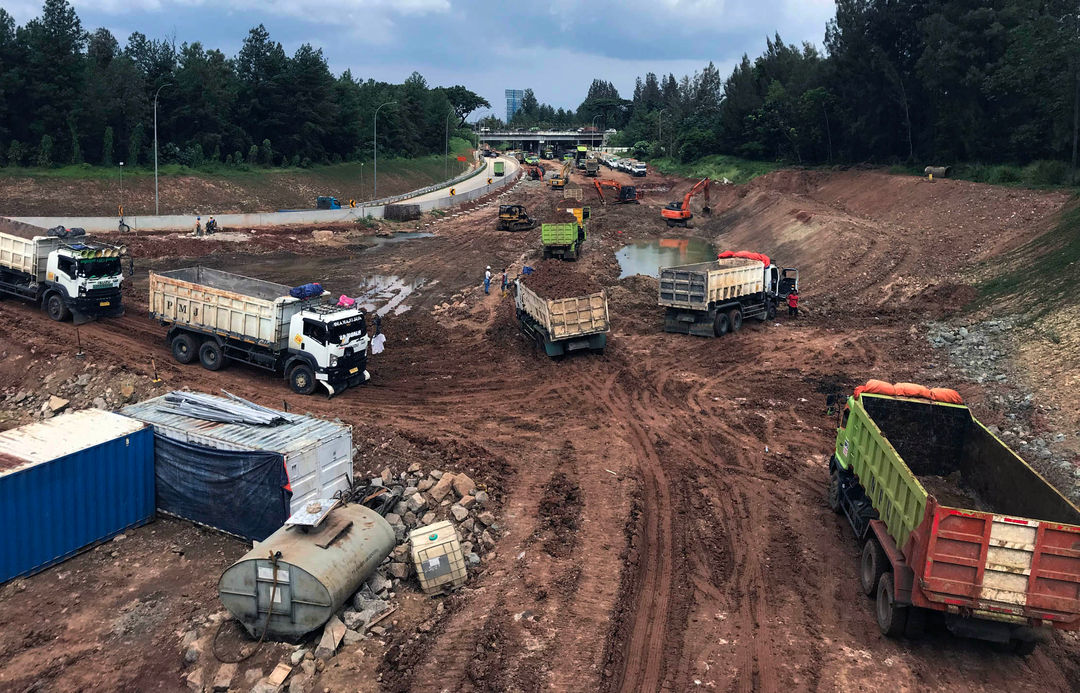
<point x="648" y="257"/>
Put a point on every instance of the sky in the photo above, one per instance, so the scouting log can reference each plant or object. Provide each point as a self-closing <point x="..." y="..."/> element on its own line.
<point x="554" y="47"/>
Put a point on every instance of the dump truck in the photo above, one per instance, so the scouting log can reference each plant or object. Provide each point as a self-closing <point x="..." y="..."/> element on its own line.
<point x="711" y="299"/>
<point x="563" y="325"/>
<point x="592" y="166"/>
<point x="498" y="168"/>
<point x="548" y="153"/>
<point x="953" y="523"/>
<point x="217" y="317"/>
<point x="564" y="240"/>
<point x="61" y="270"/>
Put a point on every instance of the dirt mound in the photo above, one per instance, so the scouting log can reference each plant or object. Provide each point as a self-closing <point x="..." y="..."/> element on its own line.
<point x="557" y="279"/>
<point x="560" y="514"/>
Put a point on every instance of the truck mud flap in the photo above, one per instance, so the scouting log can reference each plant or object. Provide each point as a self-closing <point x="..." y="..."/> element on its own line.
<point x="80" y="318"/>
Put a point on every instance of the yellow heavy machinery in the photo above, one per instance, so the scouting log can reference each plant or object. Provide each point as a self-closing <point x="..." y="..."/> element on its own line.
<point x="559" y="180"/>
<point x="514" y="218"/>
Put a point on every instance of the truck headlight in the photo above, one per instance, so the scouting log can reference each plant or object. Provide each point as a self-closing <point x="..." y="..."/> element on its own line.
<point x="333" y="360"/>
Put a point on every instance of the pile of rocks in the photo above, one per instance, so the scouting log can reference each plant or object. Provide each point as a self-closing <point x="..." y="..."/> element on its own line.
<point x="100" y="388"/>
<point x="977" y="349"/>
<point x="433" y="497"/>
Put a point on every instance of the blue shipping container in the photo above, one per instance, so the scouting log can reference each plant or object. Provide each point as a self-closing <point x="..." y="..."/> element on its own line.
<point x="69" y="482"/>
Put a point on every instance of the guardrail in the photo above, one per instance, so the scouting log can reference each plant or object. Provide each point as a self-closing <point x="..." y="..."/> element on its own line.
<point x="373" y="209"/>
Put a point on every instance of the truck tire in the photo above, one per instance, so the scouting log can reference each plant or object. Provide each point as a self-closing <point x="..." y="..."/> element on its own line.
<point x="302" y="379"/>
<point x="211" y="355"/>
<point x="770" y="313"/>
<point x="734" y="317"/>
<point x="891" y="617"/>
<point x="872" y="566"/>
<point x="184" y="348"/>
<point x="721" y="325"/>
<point x="56" y="308"/>
<point x="833" y="497"/>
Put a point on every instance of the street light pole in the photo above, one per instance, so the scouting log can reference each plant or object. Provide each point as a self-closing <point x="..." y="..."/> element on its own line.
<point x="446" y="147"/>
<point x="121" y="189"/>
<point x="156" y="212"/>
<point x="375" y="142"/>
<point x="594" y="130"/>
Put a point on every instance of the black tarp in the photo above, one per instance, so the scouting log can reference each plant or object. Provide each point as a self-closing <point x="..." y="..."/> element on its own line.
<point x="241" y="492"/>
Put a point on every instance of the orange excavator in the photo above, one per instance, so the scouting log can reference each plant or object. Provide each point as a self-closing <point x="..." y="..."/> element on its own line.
<point x="676" y="214"/>
<point x="625" y="193"/>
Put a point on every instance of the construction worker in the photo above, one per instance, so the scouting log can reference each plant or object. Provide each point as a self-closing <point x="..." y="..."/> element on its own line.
<point x="211" y="226"/>
<point x="198" y="226"/>
<point x="505" y="282"/>
<point x="487" y="280"/>
<point x="793" y="303"/>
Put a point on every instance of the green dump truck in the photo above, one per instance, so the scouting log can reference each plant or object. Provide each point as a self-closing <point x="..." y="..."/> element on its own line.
<point x="564" y="240"/>
<point x="498" y="168"/>
<point x="954" y="524"/>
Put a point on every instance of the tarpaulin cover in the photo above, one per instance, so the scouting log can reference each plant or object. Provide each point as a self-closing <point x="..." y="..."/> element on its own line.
<point x="746" y="255"/>
<point x="306" y="290"/>
<point x="242" y="492"/>
<point x="937" y="394"/>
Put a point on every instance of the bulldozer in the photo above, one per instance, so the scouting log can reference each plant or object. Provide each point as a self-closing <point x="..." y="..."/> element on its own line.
<point x="514" y="218"/>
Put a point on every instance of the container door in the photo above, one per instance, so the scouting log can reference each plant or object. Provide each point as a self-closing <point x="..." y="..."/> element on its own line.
<point x="335" y="464"/>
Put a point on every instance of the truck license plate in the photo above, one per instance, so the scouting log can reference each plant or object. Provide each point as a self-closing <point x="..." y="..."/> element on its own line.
<point x="354" y="370"/>
<point x="104" y="303"/>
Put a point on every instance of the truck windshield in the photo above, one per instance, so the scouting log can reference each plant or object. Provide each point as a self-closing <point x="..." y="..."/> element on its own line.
<point x="99" y="267"/>
<point x="346" y="329"/>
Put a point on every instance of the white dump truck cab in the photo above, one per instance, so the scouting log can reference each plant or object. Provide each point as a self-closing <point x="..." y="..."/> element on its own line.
<point x="332" y="341"/>
<point x="782" y="280"/>
<point x="83" y="277"/>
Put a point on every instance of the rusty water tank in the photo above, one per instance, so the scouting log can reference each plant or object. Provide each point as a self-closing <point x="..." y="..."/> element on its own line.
<point x="318" y="569"/>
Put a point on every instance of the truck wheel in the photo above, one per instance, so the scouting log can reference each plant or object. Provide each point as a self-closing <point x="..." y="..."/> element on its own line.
<point x="834" y="491"/>
<point x="211" y="356"/>
<point x="735" y="319"/>
<point x="871" y="567"/>
<point x="184" y="348"/>
<point x="302" y="379"/>
<point x="770" y="313"/>
<point x="56" y="308"/>
<point x="891" y="617"/>
<point x="721" y="325"/>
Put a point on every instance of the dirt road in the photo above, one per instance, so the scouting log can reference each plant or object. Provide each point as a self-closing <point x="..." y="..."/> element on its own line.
<point x="663" y="516"/>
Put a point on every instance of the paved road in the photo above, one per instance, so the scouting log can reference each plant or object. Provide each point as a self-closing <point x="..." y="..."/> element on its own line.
<point x="510" y="166"/>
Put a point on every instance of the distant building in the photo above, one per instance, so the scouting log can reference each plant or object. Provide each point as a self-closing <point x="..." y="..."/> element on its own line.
<point x="513" y="102"/>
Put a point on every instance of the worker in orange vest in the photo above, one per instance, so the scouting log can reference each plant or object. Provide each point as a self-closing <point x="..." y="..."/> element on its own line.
<point x="793" y="303"/>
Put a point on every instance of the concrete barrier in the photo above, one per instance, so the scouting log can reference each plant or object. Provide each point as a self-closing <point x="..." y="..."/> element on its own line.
<point x="374" y="210"/>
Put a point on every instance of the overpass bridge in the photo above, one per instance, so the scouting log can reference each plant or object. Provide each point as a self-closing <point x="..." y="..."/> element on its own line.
<point x="536" y="141"/>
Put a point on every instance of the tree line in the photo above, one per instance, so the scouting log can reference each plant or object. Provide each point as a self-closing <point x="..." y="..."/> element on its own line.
<point x="68" y="96"/>
<point x="898" y="81"/>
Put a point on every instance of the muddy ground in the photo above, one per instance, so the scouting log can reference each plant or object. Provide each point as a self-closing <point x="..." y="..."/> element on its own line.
<point x="664" y="519"/>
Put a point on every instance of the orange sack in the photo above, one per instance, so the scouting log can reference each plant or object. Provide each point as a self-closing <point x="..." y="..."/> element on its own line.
<point x="944" y="394"/>
<point x="879" y="387"/>
<point x="912" y="390"/>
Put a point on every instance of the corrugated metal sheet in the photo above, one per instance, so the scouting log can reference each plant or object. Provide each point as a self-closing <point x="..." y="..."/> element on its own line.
<point x="91" y="476"/>
<point x="301" y="432"/>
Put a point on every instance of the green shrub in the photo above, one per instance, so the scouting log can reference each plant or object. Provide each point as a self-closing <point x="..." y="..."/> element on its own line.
<point x="1004" y="174"/>
<point x="1046" y="172"/>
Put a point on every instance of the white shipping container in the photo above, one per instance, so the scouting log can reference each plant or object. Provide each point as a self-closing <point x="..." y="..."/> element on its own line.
<point x="317" y="453"/>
